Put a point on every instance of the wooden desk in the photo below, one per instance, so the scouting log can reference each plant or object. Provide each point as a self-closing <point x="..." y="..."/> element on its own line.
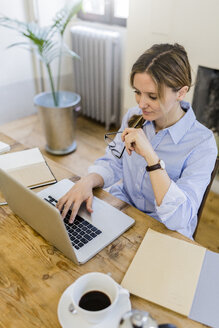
<point x="34" y="274"/>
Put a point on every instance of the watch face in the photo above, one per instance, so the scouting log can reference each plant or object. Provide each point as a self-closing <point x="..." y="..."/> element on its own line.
<point x="162" y="164"/>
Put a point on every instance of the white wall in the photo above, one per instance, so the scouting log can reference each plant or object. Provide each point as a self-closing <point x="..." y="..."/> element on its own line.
<point x="194" y="24"/>
<point x="18" y="80"/>
<point x="15" y="68"/>
<point x="10" y="59"/>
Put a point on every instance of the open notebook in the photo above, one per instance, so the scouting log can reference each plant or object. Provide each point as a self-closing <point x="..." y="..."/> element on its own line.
<point x="28" y="167"/>
<point x="178" y="275"/>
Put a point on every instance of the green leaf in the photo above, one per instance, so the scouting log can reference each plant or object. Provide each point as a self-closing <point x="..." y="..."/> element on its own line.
<point x="65" y="15"/>
<point x="46" y="42"/>
<point x="69" y="52"/>
<point x="18" y="44"/>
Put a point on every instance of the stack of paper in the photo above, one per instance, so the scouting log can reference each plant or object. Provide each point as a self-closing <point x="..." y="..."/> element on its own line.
<point x="4" y="147"/>
<point x="178" y="275"/>
<point x="28" y="167"/>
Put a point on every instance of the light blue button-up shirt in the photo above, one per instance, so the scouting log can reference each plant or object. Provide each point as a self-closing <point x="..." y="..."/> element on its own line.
<point x="189" y="151"/>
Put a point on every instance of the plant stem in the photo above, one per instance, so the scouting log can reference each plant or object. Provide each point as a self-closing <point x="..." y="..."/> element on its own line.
<point x="59" y="67"/>
<point x="52" y="85"/>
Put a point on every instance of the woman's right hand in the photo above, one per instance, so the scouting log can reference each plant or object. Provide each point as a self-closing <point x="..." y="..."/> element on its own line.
<point x="81" y="192"/>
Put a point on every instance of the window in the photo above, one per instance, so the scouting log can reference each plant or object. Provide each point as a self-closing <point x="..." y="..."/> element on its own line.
<point x="113" y="12"/>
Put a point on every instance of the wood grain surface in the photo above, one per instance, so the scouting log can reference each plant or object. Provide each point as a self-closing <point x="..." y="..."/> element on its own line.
<point x="34" y="274"/>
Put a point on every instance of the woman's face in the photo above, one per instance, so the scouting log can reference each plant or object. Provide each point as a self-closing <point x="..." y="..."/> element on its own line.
<point x="147" y="98"/>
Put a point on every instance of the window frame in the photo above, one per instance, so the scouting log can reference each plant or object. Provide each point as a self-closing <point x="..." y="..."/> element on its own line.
<point x="107" y="18"/>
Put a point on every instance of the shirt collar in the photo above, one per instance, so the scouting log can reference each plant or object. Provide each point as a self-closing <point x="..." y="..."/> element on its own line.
<point x="180" y="128"/>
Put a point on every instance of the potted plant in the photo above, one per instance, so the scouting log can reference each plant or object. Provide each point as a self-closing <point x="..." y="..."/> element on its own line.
<point x="56" y="108"/>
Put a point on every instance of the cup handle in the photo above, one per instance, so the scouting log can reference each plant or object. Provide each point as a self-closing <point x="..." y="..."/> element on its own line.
<point x="71" y="309"/>
<point x="123" y="291"/>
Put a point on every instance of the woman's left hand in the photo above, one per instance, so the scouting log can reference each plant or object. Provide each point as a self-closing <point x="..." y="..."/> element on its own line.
<point x="136" y="140"/>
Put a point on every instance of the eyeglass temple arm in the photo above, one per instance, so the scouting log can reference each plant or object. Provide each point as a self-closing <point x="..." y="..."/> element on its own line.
<point x="111" y="133"/>
<point x="137" y="122"/>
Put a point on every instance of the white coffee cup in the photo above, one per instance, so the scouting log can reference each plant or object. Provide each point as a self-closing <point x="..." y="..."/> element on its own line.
<point x="95" y="281"/>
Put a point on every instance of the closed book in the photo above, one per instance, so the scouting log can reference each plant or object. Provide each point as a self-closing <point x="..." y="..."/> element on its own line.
<point x="28" y="167"/>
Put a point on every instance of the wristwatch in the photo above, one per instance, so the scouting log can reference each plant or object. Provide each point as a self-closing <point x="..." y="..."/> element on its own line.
<point x="159" y="165"/>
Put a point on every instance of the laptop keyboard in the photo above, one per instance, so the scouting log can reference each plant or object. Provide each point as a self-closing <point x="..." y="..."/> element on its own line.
<point x="80" y="231"/>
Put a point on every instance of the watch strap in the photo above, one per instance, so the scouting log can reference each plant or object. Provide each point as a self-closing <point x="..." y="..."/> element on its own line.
<point x="153" y="167"/>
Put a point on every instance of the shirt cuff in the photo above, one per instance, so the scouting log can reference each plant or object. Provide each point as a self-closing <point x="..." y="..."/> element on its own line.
<point x="170" y="203"/>
<point x="103" y="172"/>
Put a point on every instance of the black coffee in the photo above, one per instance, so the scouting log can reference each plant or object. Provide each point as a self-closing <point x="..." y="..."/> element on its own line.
<point x="94" y="301"/>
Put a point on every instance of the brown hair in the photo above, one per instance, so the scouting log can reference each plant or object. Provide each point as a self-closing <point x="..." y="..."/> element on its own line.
<point x="167" y="64"/>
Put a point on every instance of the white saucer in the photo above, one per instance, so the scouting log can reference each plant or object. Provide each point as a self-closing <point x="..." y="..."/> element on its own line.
<point x="69" y="320"/>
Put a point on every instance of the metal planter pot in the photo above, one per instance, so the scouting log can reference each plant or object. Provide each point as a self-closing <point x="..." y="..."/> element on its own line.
<point x="59" y="122"/>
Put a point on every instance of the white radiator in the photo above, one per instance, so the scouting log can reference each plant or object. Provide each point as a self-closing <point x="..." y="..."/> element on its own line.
<point x="97" y="75"/>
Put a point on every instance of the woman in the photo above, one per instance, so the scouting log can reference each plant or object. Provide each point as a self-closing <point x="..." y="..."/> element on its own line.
<point x="169" y="155"/>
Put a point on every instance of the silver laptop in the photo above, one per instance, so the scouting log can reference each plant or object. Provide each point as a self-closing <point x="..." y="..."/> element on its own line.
<point x="88" y="235"/>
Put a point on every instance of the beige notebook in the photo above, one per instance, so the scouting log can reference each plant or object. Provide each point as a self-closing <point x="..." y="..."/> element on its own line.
<point x="165" y="271"/>
<point x="28" y="167"/>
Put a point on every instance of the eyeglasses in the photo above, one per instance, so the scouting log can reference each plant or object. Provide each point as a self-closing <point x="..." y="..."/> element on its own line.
<point x="112" y="144"/>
